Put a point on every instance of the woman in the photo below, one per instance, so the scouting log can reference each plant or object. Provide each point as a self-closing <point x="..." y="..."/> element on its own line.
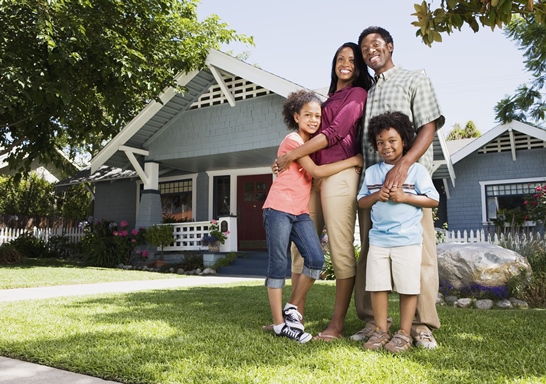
<point x="333" y="199"/>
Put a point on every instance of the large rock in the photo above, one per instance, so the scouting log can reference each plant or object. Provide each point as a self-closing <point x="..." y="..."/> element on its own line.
<point x="465" y="264"/>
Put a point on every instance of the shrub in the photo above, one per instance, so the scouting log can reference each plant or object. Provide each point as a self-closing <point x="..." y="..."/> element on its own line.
<point x="9" y="254"/>
<point x="533" y="247"/>
<point x="160" y="235"/>
<point x="105" y="244"/>
<point x="29" y="245"/>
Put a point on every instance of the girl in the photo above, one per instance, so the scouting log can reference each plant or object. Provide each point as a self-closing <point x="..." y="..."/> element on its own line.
<point x="286" y="215"/>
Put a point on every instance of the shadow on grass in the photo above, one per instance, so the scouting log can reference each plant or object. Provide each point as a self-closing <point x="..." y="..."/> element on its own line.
<point x="213" y="334"/>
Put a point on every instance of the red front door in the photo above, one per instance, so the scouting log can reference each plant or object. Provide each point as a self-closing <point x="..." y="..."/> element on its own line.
<point x="251" y="194"/>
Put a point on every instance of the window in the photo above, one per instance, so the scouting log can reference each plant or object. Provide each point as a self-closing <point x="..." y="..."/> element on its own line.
<point x="176" y="199"/>
<point x="221" y="196"/>
<point x="504" y="201"/>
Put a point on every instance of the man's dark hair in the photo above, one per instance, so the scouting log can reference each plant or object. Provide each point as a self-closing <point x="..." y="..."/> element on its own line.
<point x="398" y="121"/>
<point x="385" y="35"/>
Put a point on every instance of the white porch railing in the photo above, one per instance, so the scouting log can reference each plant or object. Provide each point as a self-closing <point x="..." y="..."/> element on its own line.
<point x="8" y="234"/>
<point x="187" y="236"/>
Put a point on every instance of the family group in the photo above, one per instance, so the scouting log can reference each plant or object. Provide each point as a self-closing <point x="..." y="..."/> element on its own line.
<point x="384" y="124"/>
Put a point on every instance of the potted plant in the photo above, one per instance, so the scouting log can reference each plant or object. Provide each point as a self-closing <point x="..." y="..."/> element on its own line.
<point x="160" y="235"/>
<point x="215" y="237"/>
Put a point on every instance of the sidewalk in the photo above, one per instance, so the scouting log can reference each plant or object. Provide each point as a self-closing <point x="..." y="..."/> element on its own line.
<point x="20" y="372"/>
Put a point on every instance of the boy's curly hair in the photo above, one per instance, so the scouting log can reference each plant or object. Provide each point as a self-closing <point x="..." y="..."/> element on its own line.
<point x="294" y="103"/>
<point x="395" y="120"/>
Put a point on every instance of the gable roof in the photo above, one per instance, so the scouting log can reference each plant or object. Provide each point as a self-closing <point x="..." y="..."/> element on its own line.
<point x="503" y="138"/>
<point x="224" y="79"/>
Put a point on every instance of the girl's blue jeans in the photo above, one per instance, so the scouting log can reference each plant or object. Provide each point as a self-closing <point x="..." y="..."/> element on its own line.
<point x="280" y="229"/>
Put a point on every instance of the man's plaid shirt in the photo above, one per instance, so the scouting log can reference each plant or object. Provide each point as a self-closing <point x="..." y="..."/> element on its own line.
<point x="409" y="92"/>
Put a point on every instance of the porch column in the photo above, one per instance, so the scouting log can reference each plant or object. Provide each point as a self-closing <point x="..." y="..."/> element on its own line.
<point x="150" y="212"/>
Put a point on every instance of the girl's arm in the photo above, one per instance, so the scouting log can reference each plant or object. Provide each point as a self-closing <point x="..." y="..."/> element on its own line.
<point x="316" y="143"/>
<point x="318" y="171"/>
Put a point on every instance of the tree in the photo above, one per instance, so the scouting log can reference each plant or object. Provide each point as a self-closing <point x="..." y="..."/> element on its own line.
<point x="74" y="72"/>
<point x="468" y="132"/>
<point x="453" y="14"/>
<point x="527" y="104"/>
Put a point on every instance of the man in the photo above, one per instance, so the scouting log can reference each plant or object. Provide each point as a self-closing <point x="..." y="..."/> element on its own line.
<point x="409" y="92"/>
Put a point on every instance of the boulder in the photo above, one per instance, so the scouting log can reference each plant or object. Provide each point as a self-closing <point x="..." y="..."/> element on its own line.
<point x="466" y="264"/>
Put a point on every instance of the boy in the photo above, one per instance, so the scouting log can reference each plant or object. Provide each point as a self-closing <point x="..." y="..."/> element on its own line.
<point x="396" y="234"/>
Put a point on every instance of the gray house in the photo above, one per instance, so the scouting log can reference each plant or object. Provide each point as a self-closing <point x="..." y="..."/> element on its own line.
<point x="204" y="154"/>
<point x="494" y="173"/>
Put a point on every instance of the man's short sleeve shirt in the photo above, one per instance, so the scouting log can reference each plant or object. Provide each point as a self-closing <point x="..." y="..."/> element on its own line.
<point x="409" y="92"/>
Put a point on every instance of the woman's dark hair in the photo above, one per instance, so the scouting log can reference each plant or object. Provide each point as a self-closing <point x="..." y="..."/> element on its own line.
<point x="398" y="121"/>
<point x="294" y="103"/>
<point x="361" y="76"/>
<point x="385" y="35"/>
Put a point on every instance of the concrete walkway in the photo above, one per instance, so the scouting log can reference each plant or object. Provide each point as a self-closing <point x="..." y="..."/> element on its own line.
<point x="20" y="372"/>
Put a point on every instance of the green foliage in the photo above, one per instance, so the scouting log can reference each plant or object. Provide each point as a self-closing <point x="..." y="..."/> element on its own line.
<point x="30" y="196"/>
<point x="160" y="235"/>
<point x="225" y="261"/>
<point x="468" y="132"/>
<point x="192" y="261"/>
<point x="74" y="202"/>
<point x="105" y="244"/>
<point x="31" y="246"/>
<point x="536" y="205"/>
<point x="328" y="268"/>
<point x="215" y="235"/>
<point x="9" y="254"/>
<point x="529" y="288"/>
<point x="453" y="14"/>
<point x="74" y="72"/>
<point x="528" y="104"/>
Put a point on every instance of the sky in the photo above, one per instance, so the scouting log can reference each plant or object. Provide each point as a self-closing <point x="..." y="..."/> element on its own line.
<point x="296" y="40"/>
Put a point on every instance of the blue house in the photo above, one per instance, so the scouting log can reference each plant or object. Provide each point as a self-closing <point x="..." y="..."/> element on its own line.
<point x="204" y="154"/>
<point x="494" y="173"/>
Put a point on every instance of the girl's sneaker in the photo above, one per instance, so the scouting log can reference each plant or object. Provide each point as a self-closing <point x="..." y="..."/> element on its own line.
<point x="400" y="342"/>
<point x="293" y="318"/>
<point x="295" y="334"/>
<point x="377" y="340"/>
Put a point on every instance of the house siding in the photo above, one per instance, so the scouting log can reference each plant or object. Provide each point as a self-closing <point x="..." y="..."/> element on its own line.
<point x="116" y="201"/>
<point x="251" y="124"/>
<point x="465" y="205"/>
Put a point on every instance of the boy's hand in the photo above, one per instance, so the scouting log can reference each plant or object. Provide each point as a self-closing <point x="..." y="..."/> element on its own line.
<point x="397" y="195"/>
<point x="383" y="194"/>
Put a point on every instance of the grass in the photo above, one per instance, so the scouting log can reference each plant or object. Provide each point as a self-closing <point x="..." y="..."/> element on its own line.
<point x="213" y="335"/>
<point x="49" y="272"/>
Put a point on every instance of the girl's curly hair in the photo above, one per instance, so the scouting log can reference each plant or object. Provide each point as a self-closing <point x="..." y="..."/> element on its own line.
<point x="294" y="103"/>
<point x="398" y="121"/>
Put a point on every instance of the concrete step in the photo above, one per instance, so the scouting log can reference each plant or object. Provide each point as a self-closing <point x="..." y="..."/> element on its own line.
<point x="250" y="264"/>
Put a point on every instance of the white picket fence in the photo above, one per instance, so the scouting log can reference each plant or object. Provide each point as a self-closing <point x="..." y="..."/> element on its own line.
<point x="74" y="234"/>
<point x="478" y="236"/>
<point x="481" y="236"/>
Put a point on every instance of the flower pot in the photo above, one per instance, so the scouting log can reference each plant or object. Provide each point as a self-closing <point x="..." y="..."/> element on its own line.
<point x="214" y="247"/>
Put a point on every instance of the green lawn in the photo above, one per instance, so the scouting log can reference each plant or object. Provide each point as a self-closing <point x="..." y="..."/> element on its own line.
<point x="48" y="272"/>
<point x="213" y="335"/>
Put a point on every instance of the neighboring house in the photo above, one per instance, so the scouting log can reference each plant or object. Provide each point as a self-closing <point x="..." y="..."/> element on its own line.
<point x="48" y="172"/>
<point x="203" y="154"/>
<point x="494" y="173"/>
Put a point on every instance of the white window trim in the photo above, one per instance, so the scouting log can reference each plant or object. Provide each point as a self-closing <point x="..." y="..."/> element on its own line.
<point x="192" y="176"/>
<point x="483" y="184"/>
